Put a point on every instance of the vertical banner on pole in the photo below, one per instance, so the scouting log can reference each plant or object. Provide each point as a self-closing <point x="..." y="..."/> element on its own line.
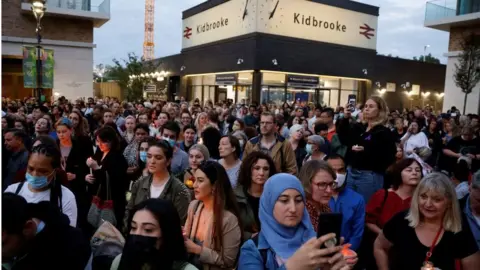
<point x="29" y="67"/>
<point x="48" y="64"/>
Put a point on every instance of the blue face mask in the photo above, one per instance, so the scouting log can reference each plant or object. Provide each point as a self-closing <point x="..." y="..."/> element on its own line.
<point x="143" y="156"/>
<point x="340" y="115"/>
<point x="36" y="182"/>
<point x="308" y="147"/>
<point x="170" y="141"/>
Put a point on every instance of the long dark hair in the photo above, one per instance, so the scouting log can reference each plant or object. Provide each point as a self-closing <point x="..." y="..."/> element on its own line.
<point x="211" y="139"/>
<point x="245" y="173"/>
<point x="172" y="248"/>
<point x="223" y="199"/>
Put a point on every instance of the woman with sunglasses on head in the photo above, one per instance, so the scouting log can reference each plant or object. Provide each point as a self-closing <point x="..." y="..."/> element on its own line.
<point x="287" y="239"/>
<point x="154" y="239"/>
<point x="108" y="171"/>
<point x="41" y="183"/>
<point x="160" y="183"/>
<point x="256" y="168"/>
<point x="213" y="231"/>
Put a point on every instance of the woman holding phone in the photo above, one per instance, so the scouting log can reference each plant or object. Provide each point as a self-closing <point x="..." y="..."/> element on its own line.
<point x="287" y="238"/>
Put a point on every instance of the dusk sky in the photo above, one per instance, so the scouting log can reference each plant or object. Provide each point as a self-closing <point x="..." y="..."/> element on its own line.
<point x="401" y="31"/>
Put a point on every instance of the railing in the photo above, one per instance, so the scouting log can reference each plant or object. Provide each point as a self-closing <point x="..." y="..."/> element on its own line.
<point x="100" y="6"/>
<point x="442" y="9"/>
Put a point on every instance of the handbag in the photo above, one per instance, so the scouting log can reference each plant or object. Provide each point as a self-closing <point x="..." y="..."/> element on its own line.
<point x="102" y="210"/>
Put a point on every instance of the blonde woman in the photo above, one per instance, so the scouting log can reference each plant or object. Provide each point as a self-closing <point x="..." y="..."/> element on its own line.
<point x="372" y="149"/>
<point x="429" y="234"/>
<point x="200" y="123"/>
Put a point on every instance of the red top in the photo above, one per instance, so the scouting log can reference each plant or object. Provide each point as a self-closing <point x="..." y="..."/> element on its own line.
<point x="376" y="214"/>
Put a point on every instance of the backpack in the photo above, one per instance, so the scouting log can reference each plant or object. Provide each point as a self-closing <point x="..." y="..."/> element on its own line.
<point x="263" y="252"/>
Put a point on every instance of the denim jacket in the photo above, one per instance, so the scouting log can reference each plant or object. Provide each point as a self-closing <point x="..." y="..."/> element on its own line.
<point x="474" y="227"/>
<point x="251" y="259"/>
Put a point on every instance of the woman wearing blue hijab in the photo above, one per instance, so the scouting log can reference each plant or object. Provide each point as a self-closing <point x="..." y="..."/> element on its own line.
<point x="287" y="239"/>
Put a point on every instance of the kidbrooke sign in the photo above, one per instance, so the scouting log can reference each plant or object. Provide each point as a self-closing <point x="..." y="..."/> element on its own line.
<point x="291" y="18"/>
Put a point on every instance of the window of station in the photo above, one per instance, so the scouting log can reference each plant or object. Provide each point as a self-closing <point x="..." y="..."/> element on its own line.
<point x="206" y="88"/>
<point x="273" y="88"/>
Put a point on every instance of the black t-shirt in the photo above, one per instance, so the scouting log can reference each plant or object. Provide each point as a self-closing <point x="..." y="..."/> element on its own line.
<point x="408" y="252"/>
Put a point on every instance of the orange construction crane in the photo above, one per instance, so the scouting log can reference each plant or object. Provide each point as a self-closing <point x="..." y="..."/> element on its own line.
<point x="149" y="43"/>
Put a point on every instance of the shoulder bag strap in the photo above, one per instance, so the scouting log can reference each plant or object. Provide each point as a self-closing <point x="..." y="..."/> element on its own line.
<point x="19" y="187"/>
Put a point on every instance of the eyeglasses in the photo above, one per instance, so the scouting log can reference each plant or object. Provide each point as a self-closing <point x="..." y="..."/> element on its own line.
<point x="323" y="186"/>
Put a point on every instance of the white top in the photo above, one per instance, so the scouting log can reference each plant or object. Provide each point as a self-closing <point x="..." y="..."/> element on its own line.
<point x="69" y="205"/>
<point x="415" y="141"/>
<point x="155" y="191"/>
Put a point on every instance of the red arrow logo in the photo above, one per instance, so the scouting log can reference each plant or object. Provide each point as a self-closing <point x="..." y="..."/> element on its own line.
<point x="368" y="32"/>
<point x="187" y="32"/>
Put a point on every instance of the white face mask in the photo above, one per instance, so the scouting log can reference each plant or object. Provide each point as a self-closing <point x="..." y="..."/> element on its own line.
<point x="340" y="180"/>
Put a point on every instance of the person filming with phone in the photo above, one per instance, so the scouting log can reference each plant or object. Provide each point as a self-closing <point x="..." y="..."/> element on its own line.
<point x="287" y="239"/>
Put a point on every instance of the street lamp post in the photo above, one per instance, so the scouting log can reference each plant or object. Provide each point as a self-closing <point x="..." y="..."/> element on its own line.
<point x="38" y="9"/>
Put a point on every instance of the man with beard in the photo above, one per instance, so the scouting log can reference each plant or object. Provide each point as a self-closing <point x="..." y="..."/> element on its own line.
<point x="38" y="236"/>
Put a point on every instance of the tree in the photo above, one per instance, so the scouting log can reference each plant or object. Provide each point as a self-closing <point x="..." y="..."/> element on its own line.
<point x="467" y="70"/>
<point x="123" y="69"/>
<point x="427" y="59"/>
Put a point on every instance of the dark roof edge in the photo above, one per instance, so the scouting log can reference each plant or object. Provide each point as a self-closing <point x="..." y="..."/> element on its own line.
<point x="345" y="4"/>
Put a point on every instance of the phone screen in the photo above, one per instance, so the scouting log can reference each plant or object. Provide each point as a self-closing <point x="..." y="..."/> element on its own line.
<point x="330" y="223"/>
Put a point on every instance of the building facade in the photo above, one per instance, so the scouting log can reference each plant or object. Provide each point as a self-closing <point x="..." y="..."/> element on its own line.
<point x="317" y="51"/>
<point x="67" y="29"/>
<point x="461" y="18"/>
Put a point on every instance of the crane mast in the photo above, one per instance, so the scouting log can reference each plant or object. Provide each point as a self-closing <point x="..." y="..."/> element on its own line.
<point x="149" y="43"/>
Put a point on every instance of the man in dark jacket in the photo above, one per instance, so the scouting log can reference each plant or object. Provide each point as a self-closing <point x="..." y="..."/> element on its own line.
<point x="38" y="236"/>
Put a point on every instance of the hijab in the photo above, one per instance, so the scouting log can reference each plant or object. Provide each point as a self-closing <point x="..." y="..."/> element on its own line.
<point x="283" y="240"/>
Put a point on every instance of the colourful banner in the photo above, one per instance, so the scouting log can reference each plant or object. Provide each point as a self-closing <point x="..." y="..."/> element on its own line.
<point x="48" y="64"/>
<point x="29" y="67"/>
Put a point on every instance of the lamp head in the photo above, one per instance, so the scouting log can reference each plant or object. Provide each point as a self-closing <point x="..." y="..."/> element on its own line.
<point x="38" y="9"/>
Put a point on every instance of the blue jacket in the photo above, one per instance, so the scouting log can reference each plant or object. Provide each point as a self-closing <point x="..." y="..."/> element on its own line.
<point x="352" y="206"/>
<point x="467" y="210"/>
<point x="251" y="259"/>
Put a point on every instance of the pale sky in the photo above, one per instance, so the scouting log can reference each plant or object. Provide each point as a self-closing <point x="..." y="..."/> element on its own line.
<point x="400" y="30"/>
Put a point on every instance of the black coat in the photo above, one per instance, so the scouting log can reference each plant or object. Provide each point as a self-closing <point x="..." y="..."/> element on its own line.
<point x="116" y="166"/>
<point x="57" y="247"/>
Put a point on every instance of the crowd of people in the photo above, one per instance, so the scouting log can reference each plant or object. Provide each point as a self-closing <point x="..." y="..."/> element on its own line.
<point x="238" y="186"/>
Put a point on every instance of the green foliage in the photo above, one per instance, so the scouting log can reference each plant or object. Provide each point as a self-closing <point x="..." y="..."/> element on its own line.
<point x="121" y="70"/>
<point x="467" y="71"/>
<point x="427" y="59"/>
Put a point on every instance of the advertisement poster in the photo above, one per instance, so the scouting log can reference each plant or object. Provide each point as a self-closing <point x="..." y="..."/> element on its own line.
<point x="29" y="67"/>
<point x="48" y="64"/>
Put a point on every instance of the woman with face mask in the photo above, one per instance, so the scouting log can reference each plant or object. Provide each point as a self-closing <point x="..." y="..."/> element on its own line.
<point x="159" y="183"/>
<point x="287" y="238"/>
<point x="73" y="155"/>
<point x="316" y="148"/>
<point x="256" y="168"/>
<point x="131" y="151"/>
<point x="154" y="240"/>
<point x="41" y="183"/>
<point x="142" y="156"/>
<point x="213" y="232"/>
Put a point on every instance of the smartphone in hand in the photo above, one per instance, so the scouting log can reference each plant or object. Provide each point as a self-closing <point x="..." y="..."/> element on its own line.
<point x="330" y="223"/>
